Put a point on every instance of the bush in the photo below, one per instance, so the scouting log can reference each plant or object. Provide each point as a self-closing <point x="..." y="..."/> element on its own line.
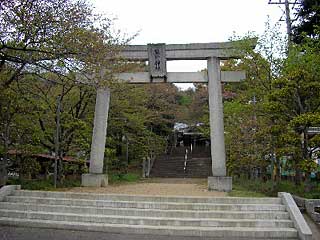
<point x="43" y="184"/>
<point x="128" y="177"/>
<point x="271" y="189"/>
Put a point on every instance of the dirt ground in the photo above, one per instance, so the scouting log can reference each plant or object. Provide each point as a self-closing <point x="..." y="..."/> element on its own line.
<point x="158" y="186"/>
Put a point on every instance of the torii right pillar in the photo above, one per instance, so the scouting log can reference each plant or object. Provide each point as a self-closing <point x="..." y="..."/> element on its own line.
<point x="219" y="180"/>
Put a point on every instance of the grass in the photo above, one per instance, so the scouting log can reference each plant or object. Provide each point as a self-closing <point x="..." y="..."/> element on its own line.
<point x="241" y="191"/>
<point x="123" y="178"/>
<point x="258" y="188"/>
<point x="43" y="184"/>
<point x="47" y="184"/>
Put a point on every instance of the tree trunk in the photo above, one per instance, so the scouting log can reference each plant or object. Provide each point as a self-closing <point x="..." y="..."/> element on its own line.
<point x="306" y="155"/>
<point x="60" y="171"/>
<point x="298" y="176"/>
<point x="4" y="162"/>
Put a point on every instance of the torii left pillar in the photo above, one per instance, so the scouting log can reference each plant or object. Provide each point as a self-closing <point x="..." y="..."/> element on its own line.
<point x="96" y="177"/>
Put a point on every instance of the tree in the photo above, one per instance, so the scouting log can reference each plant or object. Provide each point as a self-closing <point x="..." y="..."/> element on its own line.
<point x="248" y="126"/>
<point x="308" y="22"/>
<point x="295" y="99"/>
<point x="53" y="42"/>
<point x="16" y="129"/>
<point x="142" y="116"/>
<point x="58" y="36"/>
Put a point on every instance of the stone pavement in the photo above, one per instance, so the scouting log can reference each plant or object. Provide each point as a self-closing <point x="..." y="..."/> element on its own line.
<point x="313" y="226"/>
<point x="21" y="233"/>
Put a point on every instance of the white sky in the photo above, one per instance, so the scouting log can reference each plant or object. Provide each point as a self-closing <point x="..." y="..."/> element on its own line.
<point x="188" y="21"/>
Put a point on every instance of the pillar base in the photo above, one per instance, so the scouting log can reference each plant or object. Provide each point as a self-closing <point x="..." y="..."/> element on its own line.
<point x="223" y="184"/>
<point x="94" y="180"/>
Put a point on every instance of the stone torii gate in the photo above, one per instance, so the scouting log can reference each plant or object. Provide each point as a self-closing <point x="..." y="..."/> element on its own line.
<point x="158" y="55"/>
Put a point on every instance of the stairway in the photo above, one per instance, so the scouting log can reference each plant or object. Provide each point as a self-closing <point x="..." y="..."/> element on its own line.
<point x="169" y="165"/>
<point x="217" y="218"/>
<point x="172" y="165"/>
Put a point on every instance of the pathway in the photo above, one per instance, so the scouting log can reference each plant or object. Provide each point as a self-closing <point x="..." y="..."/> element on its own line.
<point x="158" y="186"/>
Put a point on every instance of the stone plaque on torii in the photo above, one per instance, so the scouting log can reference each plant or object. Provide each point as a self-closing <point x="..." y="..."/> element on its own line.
<point x="157" y="62"/>
<point x="157" y="55"/>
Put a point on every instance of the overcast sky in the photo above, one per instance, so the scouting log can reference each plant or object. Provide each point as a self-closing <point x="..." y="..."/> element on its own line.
<point x="188" y="21"/>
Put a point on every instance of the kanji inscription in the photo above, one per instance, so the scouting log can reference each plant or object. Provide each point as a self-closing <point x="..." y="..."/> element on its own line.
<point x="157" y="62"/>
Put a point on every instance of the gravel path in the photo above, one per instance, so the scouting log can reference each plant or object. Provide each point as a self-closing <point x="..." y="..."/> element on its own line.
<point x="315" y="228"/>
<point x="161" y="186"/>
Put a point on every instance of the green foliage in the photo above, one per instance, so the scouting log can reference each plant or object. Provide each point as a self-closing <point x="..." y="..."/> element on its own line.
<point x="141" y="117"/>
<point x="308" y="165"/>
<point x="122" y="178"/>
<point x="274" y="107"/>
<point x="257" y="188"/>
<point x="135" y="117"/>
<point x="28" y="167"/>
<point x="266" y="119"/>
<point x="42" y="184"/>
<point x="74" y="169"/>
<point x="184" y="100"/>
<point x="240" y="191"/>
<point x="308" y="14"/>
<point x="44" y="48"/>
<point x="57" y="36"/>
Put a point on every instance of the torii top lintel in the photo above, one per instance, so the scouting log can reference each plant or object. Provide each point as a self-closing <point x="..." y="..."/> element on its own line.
<point x="192" y="51"/>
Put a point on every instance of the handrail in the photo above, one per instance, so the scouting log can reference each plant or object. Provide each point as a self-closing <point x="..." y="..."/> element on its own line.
<point x="185" y="160"/>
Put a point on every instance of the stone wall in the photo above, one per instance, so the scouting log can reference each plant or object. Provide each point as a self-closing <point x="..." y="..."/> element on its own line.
<point x="309" y="206"/>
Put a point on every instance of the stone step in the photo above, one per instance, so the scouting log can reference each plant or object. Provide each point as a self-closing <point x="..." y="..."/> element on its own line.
<point x="147" y="205"/>
<point x="174" y="168"/>
<point x="236" y="215"/>
<point x="221" y="232"/>
<point x="156" y="175"/>
<point x="169" y="164"/>
<point x="147" y="198"/>
<point x="152" y="221"/>
<point x="171" y="157"/>
<point x="204" y="173"/>
<point x="166" y="169"/>
<point x="193" y="167"/>
<point x="198" y="168"/>
<point x="169" y="167"/>
<point x="198" y="165"/>
<point x="168" y="175"/>
<point x="181" y="175"/>
<point x="191" y="163"/>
